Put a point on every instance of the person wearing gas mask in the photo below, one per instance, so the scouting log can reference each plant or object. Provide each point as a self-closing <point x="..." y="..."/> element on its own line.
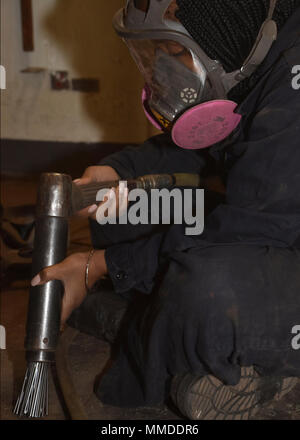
<point x="214" y="315"/>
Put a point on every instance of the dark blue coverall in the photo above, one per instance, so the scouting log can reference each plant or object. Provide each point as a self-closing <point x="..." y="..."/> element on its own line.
<point x="231" y="296"/>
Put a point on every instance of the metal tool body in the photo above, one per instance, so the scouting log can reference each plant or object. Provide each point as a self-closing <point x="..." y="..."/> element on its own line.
<point x="58" y="199"/>
<point x="85" y="195"/>
<point x="50" y="247"/>
<point x="43" y="318"/>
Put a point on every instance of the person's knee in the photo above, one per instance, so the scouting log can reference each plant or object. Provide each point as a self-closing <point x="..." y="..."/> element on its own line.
<point x="205" y="291"/>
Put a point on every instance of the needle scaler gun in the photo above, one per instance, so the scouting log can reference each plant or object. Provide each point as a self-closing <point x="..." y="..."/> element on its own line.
<point x="58" y="199"/>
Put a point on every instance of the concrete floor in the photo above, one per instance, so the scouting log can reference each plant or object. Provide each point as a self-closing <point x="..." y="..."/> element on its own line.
<point x="86" y="355"/>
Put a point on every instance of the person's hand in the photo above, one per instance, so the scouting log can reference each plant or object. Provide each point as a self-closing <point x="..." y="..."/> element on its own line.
<point x="115" y="200"/>
<point x="115" y="203"/>
<point x="101" y="173"/>
<point x="71" y="272"/>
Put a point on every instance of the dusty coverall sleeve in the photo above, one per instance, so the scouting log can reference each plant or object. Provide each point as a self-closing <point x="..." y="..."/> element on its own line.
<point x="157" y="155"/>
<point x="263" y="203"/>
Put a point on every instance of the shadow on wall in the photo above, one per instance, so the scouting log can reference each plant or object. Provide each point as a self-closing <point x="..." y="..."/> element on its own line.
<point x="84" y="32"/>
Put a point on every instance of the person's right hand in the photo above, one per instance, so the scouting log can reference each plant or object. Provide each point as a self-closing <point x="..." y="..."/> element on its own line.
<point x="101" y="173"/>
<point x="71" y="272"/>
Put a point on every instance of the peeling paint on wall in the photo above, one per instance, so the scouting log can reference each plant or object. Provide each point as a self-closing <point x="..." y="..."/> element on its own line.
<point x="77" y="37"/>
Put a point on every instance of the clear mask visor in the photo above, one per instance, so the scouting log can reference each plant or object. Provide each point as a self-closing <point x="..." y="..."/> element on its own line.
<point x="176" y="79"/>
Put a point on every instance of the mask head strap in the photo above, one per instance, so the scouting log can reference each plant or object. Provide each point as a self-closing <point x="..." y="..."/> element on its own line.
<point x="266" y="37"/>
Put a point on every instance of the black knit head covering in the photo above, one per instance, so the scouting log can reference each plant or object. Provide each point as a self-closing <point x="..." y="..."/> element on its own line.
<point x="227" y="29"/>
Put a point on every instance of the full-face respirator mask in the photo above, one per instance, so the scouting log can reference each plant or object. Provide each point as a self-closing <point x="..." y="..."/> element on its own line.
<point x="185" y="91"/>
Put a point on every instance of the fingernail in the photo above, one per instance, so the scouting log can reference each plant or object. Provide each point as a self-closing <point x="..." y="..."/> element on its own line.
<point x="92" y="209"/>
<point x="76" y="180"/>
<point x="36" y="280"/>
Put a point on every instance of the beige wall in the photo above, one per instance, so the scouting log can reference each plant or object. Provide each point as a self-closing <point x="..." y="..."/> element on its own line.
<point x="77" y="36"/>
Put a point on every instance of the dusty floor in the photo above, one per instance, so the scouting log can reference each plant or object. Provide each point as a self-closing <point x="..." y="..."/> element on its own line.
<point x="86" y="355"/>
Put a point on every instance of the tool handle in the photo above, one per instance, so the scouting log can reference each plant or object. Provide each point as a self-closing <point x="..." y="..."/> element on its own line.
<point x="85" y="195"/>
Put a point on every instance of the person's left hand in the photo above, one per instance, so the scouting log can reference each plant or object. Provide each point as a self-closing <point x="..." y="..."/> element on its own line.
<point x="71" y="272"/>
